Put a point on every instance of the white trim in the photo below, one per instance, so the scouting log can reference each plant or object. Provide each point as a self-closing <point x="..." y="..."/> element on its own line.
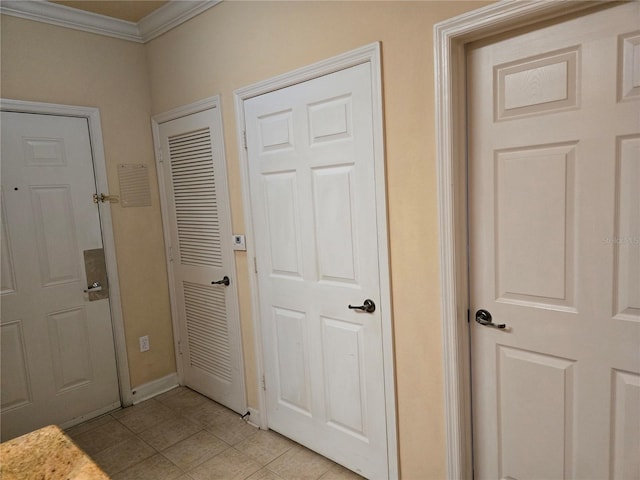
<point x="184" y="110"/>
<point x="179" y="112"/>
<point x="450" y="37"/>
<point x="97" y="148"/>
<point x="153" y="25"/>
<point x="63" y="16"/>
<point x="154" y="388"/>
<point x="368" y="54"/>
<point x="261" y="419"/>
<point x="164" y="209"/>
<point x="170" y="16"/>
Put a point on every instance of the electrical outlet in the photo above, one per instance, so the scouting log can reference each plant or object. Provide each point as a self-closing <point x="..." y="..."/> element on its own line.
<point x="144" y="343"/>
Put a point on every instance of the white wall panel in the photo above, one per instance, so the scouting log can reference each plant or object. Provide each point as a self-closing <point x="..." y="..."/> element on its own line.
<point x="16" y="388"/>
<point x="71" y="358"/>
<point x="534" y="245"/>
<point x="344" y="373"/>
<point x="535" y="414"/>
<point x="56" y="234"/>
<point x="294" y="389"/>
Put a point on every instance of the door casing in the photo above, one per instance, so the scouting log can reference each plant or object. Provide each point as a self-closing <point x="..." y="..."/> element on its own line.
<point x="367" y="54"/>
<point x="99" y="166"/>
<point x="450" y="38"/>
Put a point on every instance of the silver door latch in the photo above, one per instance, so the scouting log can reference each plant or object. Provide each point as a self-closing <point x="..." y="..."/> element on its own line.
<point x="94" y="287"/>
<point x="105" y="198"/>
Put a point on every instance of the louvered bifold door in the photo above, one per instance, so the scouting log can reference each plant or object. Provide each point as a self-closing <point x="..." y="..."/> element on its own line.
<point x="200" y="252"/>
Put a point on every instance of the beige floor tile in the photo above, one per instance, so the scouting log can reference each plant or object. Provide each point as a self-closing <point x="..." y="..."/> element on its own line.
<point x="144" y="415"/>
<point x="192" y="451"/>
<point x="153" y="468"/>
<point x="264" y="474"/>
<point x="103" y="436"/>
<point x="229" y="427"/>
<point x="185" y="398"/>
<point x="169" y="432"/>
<point x="265" y="446"/>
<point x="338" y="472"/>
<point x="229" y="465"/>
<point x="88" y="425"/>
<point x="169" y="393"/>
<point x="120" y="457"/>
<point x="206" y="414"/>
<point x="133" y="408"/>
<point x="300" y="463"/>
<point x="182" y="431"/>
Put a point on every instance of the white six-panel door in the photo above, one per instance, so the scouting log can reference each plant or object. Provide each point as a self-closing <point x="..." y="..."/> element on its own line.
<point x="554" y="176"/>
<point x="198" y="226"/>
<point x="58" y="359"/>
<point x="313" y="201"/>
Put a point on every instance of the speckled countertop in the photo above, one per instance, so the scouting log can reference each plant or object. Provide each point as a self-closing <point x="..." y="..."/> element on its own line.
<point x="46" y="454"/>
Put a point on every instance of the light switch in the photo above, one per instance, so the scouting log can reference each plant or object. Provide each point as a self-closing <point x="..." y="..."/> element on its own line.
<point x="238" y="242"/>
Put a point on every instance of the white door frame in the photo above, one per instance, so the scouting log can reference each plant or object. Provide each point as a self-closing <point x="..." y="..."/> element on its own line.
<point x="156" y="120"/>
<point x="367" y="54"/>
<point x="92" y="115"/>
<point x="450" y="38"/>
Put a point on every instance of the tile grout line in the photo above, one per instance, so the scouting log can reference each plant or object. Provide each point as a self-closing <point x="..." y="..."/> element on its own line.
<point x="188" y="410"/>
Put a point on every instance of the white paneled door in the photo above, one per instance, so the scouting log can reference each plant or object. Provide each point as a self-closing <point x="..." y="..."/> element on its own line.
<point x="313" y="200"/>
<point x="58" y="358"/>
<point x="554" y="172"/>
<point x="202" y="266"/>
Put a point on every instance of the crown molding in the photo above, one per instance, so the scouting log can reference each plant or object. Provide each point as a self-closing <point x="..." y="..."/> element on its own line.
<point x="153" y="25"/>
<point x="171" y="15"/>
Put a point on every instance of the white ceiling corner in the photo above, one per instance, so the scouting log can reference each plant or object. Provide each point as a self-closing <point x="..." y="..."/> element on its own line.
<point x="153" y="25"/>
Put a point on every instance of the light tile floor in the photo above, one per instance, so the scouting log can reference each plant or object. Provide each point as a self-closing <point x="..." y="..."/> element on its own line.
<point x="183" y="435"/>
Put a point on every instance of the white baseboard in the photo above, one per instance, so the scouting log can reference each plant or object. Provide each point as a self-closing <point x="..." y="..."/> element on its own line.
<point x="156" y="387"/>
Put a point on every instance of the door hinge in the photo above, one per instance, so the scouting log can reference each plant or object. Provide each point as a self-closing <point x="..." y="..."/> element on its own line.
<point x="160" y="155"/>
<point x="264" y="384"/>
<point x="468" y="316"/>
<point x="170" y="253"/>
<point x="101" y="198"/>
<point x="244" y="139"/>
<point x="180" y="347"/>
<point x="255" y="265"/>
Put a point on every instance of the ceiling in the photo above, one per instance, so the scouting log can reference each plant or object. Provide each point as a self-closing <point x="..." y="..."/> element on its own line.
<point x="128" y="10"/>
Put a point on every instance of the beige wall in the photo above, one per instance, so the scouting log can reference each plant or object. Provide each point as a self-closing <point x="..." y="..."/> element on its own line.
<point x="56" y="65"/>
<point x="239" y="43"/>
<point x="228" y="47"/>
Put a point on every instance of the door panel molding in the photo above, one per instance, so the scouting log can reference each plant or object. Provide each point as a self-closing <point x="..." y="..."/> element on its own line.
<point x="450" y="38"/>
<point x="92" y="115"/>
<point x="368" y="54"/>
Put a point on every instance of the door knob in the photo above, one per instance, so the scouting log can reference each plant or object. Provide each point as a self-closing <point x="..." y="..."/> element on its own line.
<point x="368" y="306"/>
<point x="483" y="317"/>
<point x="225" y="281"/>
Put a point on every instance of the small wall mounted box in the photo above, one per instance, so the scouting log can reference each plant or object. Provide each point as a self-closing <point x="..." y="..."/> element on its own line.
<point x="238" y="242"/>
<point x="144" y="343"/>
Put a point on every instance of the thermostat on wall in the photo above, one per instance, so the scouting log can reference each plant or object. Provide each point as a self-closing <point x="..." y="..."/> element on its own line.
<point x="238" y="242"/>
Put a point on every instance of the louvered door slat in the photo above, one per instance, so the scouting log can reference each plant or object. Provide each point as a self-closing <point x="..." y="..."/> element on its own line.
<point x="193" y="174"/>
<point x="196" y="209"/>
<point x="206" y="327"/>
